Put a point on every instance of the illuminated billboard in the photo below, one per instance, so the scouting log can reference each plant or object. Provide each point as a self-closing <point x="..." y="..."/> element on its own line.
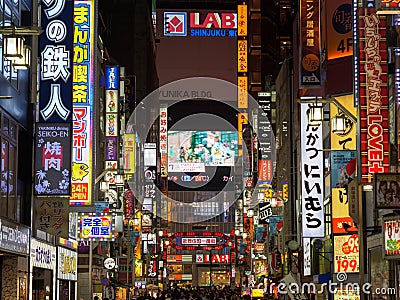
<point x="200" y="24"/>
<point x="96" y="227"/>
<point x="391" y="237"/>
<point x="83" y="101"/>
<point x="55" y="69"/>
<point x="372" y="92"/>
<point x="52" y="159"/>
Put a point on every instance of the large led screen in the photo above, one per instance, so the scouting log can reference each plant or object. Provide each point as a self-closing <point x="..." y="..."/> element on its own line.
<point x="201" y="160"/>
<point x="193" y="151"/>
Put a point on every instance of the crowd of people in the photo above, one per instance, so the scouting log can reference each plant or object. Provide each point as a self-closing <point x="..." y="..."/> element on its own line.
<point x="195" y="293"/>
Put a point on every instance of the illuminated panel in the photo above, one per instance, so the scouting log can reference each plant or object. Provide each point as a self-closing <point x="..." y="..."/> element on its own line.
<point x="312" y="204"/>
<point x="82" y="96"/>
<point x="339" y="29"/>
<point x="96" y="227"/>
<point x="374" y="113"/>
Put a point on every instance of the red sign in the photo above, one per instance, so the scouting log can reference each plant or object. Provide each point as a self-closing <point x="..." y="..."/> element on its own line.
<point x="215" y="258"/>
<point x="213" y="20"/>
<point x="179" y="239"/>
<point x="338" y="227"/>
<point x="373" y="95"/>
<point x="265" y="170"/>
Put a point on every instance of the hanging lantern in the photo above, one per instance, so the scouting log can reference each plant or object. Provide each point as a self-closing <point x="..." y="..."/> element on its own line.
<point x="24" y="62"/>
<point x="13" y="46"/>
<point x="339" y="124"/>
<point x="315" y="114"/>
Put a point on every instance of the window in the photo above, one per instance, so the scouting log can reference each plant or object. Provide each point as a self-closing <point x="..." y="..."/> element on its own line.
<point x="8" y="176"/>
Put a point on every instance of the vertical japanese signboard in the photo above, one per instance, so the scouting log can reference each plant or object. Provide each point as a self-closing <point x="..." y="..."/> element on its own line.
<point x="312" y="203"/>
<point x="344" y="140"/>
<point x="55" y="96"/>
<point x="242" y="56"/>
<point x="164" y="140"/>
<point x="373" y="94"/>
<point x="310" y="50"/>
<point x="52" y="216"/>
<point x="112" y="95"/>
<point x="53" y="159"/>
<point x="83" y="101"/>
<point x="265" y="135"/>
<point x="339" y="29"/>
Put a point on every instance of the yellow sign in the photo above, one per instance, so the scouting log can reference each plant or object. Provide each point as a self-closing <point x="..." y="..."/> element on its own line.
<point x="340" y="204"/>
<point x="346" y="253"/>
<point x="242" y="120"/>
<point x="242" y="92"/>
<point x="129" y="153"/>
<point x="242" y="56"/>
<point x="257" y="293"/>
<point x="346" y="140"/>
<point x="242" y="20"/>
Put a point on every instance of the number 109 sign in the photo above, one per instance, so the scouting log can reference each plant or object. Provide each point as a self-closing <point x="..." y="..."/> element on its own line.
<point x="346" y="253"/>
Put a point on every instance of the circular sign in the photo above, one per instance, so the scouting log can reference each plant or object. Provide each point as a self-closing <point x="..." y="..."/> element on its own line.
<point x="109" y="263"/>
<point x="105" y="281"/>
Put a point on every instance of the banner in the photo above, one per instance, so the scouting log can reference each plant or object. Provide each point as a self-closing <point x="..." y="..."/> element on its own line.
<point x="310" y="57"/>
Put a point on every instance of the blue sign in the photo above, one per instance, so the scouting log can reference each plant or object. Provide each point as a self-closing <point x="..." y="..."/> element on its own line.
<point x="56" y="51"/>
<point x="112" y="78"/>
<point x="105" y="281"/>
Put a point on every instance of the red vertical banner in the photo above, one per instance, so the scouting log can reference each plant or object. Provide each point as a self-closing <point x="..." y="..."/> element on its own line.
<point x="310" y="49"/>
<point x="373" y="93"/>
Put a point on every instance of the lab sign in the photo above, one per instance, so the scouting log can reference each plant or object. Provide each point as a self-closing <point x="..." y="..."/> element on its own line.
<point x="215" y="258"/>
<point x="214" y="20"/>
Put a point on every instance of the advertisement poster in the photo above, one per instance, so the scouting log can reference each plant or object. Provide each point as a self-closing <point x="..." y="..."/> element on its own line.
<point x="387" y="191"/>
<point x="346" y="253"/>
<point x="391" y="232"/>
<point x="343" y="168"/>
<point x="379" y="272"/>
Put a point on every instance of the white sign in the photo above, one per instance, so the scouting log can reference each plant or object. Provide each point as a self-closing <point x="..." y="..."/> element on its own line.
<point x="307" y="256"/>
<point x="163" y="129"/>
<point x="67" y="264"/>
<point x="109" y="263"/>
<point x="186" y="167"/>
<point x="199" y="241"/>
<point x="43" y="255"/>
<point x="312" y="203"/>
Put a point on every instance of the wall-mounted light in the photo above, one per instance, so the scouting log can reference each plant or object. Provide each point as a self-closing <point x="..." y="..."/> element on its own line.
<point x="250" y="212"/>
<point x="119" y="179"/>
<point x="24" y="62"/>
<point x="13" y="46"/>
<point x="273" y="202"/>
<point x="104" y="186"/>
<point x="339" y="124"/>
